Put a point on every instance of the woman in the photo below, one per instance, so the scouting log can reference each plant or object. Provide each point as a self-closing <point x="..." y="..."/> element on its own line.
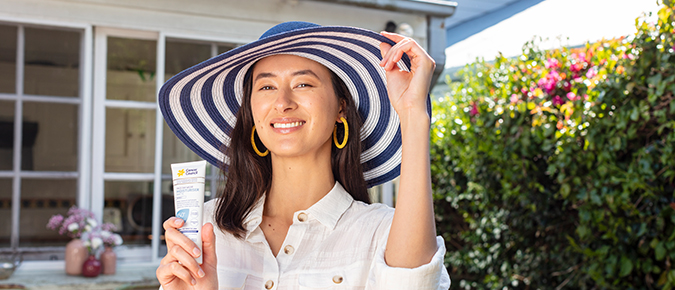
<point x="305" y="121"/>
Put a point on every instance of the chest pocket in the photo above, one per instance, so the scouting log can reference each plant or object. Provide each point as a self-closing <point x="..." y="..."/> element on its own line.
<point x="350" y="278"/>
<point x="231" y="280"/>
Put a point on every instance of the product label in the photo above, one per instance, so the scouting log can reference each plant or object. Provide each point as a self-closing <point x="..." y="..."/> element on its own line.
<point x="188" y="191"/>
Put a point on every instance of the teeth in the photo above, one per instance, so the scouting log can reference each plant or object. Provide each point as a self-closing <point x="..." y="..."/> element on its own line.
<point x="287" y="125"/>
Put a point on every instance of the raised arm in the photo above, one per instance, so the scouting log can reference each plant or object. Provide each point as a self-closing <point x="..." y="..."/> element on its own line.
<point x="412" y="238"/>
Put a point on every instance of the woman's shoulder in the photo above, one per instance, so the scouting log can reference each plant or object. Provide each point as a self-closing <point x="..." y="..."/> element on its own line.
<point x="370" y="212"/>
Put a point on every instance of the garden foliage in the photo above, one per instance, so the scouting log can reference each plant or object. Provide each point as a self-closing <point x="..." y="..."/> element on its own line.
<point x="557" y="169"/>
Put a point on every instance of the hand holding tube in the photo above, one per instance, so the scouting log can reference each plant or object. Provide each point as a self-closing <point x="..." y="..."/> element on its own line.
<point x="179" y="269"/>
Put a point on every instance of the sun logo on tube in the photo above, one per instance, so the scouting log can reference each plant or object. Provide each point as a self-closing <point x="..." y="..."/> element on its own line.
<point x="181" y="172"/>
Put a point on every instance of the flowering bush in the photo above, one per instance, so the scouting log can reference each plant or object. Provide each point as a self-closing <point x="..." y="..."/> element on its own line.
<point x="557" y="169"/>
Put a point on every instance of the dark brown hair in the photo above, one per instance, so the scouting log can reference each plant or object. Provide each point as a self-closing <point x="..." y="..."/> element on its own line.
<point x="249" y="176"/>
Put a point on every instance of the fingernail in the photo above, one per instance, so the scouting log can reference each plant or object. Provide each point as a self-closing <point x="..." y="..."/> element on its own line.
<point x="201" y="273"/>
<point x="178" y="222"/>
<point x="194" y="282"/>
<point x="196" y="252"/>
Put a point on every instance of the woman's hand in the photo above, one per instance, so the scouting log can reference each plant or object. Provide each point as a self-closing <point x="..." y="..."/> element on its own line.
<point x="179" y="269"/>
<point x="407" y="90"/>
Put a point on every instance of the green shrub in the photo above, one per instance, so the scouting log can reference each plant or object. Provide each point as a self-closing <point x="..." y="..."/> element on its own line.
<point x="557" y="169"/>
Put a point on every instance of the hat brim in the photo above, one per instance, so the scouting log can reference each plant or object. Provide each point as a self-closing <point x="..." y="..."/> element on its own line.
<point x="199" y="104"/>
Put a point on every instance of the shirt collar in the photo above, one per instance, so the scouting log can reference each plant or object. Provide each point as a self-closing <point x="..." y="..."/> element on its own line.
<point x="327" y="210"/>
<point x="330" y="208"/>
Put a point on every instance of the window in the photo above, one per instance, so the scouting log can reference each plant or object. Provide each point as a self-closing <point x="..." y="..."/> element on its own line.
<point x="40" y="107"/>
<point x="133" y="148"/>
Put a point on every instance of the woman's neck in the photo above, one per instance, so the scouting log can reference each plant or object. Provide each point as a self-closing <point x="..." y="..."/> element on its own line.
<point x="298" y="183"/>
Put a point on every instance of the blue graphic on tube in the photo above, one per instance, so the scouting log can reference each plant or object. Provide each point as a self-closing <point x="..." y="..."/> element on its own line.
<point x="183" y="214"/>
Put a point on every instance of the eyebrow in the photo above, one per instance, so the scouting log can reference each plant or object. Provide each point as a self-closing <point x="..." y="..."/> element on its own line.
<point x="297" y="73"/>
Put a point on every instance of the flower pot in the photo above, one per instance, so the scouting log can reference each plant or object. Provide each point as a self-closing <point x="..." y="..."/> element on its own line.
<point x="109" y="261"/>
<point x="76" y="254"/>
<point x="91" y="267"/>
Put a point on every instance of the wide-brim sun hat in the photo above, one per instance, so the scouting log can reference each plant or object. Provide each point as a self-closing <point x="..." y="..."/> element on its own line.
<point x="200" y="104"/>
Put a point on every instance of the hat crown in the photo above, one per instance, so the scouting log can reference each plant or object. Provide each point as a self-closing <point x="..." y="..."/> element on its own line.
<point x="286" y="27"/>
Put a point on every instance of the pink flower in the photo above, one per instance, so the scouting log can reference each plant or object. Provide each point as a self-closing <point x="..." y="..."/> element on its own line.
<point x="572" y="97"/>
<point x="514" y="98"/>
<point x="592" y="72"/>
<point x="576" y="67"/>
<point x="557" y="101"/>
<point x="552" y="63"/>
<point x="55" y="221"/>
<point x="549" y="82"/>
<point x="474" y="109"/>
<point x="108" y="227"/>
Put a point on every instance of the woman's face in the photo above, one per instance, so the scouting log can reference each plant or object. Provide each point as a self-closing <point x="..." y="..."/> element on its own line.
<point x="294" y="105"/>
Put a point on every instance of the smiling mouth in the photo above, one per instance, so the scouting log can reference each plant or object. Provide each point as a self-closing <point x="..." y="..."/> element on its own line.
<point x="288" y="125"/>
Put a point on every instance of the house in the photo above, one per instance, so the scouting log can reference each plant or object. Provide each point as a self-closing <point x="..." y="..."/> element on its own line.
<point x="79" y="123"/>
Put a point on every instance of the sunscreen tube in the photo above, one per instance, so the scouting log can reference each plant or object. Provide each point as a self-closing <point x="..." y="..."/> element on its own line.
<point x="188" y="197"/>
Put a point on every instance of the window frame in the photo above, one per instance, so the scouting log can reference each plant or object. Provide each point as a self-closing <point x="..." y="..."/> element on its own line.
<point x="18" y="97"/>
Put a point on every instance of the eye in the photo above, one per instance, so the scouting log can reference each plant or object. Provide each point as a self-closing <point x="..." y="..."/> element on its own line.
<point x="304" y="86"/>
<point x="266" y="88"/>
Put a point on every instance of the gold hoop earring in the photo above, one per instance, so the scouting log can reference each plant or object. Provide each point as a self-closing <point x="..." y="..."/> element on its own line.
<point x="261" y="154"/>
<point x="344" y="141"/>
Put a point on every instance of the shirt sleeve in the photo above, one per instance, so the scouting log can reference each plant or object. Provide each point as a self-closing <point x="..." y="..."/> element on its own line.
<point x="430" y="276"/>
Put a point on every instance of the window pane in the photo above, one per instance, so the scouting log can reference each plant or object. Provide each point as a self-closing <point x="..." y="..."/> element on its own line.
<point x="131" y="69"/>
<point x="128" y="205"/>
<point x="8" y="59"/>
<point x="129" y="140"/>
<point x="49" y="137"/>
<point x="6" y="135"/>
<point x="52" y="62"/>
<point x="40" y="199"/>
<point x="174" y="151"/>
<point x="5" y="211"/>
<point x="225" y="47"/>
<point x="183" y="55"/>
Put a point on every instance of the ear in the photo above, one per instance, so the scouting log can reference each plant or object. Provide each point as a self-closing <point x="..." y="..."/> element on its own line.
<point x="342" y="112"/>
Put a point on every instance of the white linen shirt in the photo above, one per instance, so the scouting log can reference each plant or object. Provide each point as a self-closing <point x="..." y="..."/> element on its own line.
<point x="337" y="243"/>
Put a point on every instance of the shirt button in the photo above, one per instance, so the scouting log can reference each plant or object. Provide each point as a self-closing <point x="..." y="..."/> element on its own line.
<point x="337" y="279"/>
<point x="269" y="284"/>
<point x="289" y="250"/>
<point x="302" y="216"/>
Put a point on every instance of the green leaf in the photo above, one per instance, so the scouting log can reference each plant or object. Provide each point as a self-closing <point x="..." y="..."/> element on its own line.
<point x="635" y="114"/>
<point x="660" y="251"/>
<point x="626" y="266"/>
<point x="565" y="190"/>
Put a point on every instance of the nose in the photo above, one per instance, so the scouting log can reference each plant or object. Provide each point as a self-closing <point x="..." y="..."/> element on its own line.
<point x="285" y="101"/>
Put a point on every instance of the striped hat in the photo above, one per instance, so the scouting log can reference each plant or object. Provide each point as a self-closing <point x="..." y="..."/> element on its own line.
<point x="200" y="103"/>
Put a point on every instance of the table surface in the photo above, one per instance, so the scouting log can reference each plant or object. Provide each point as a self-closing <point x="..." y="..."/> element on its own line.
<point x="50" y="275"/>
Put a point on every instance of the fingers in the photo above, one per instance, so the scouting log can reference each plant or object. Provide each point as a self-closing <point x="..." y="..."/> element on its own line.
<point x="391" y="55"/>
<point x="175" y="238"/>
<point x="209" y="245"/>
<point x="168" y="273"/>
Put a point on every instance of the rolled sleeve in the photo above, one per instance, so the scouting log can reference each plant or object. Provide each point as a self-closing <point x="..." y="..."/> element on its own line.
<point x="433" y="275"/>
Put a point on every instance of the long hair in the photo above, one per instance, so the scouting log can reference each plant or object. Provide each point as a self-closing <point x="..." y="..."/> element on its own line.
<point x="249" y="176"/>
